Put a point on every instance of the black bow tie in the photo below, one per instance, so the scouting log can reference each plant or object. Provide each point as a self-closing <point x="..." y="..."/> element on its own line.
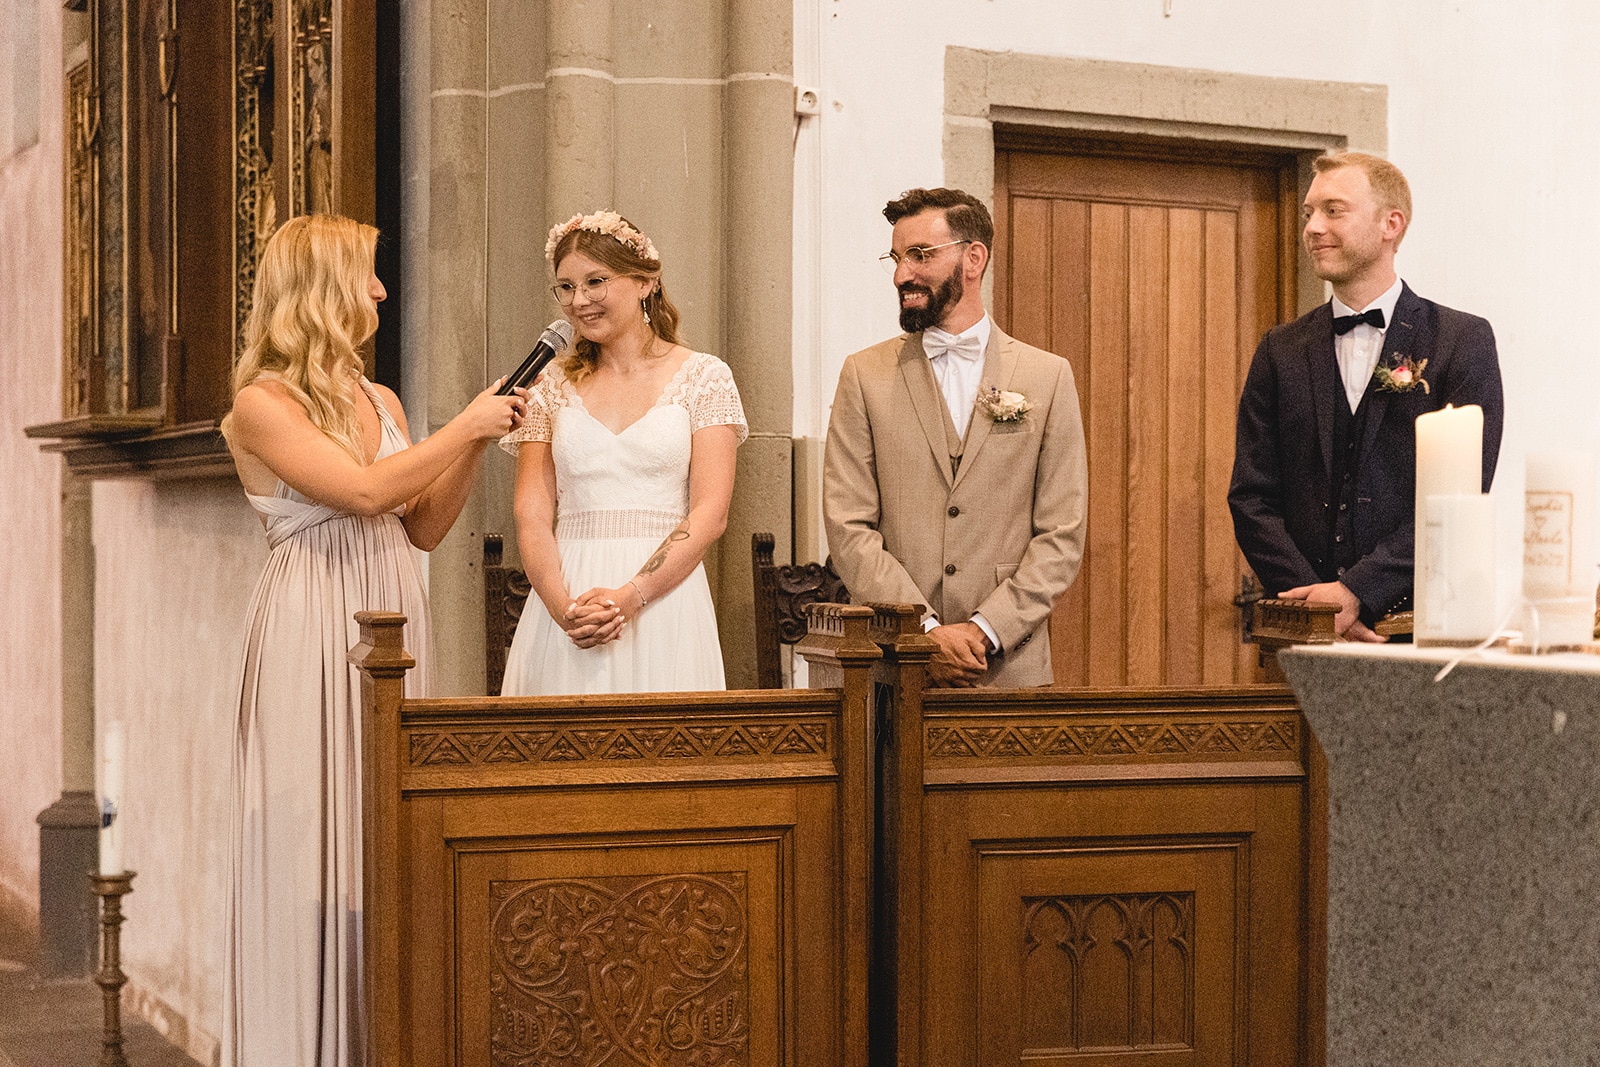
<point x="1343" y="324"/>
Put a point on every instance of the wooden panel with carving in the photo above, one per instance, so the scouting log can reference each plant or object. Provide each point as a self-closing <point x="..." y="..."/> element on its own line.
<point x="629" y="924"/>
<point x="1133" y="868"/>
<point x="662" y="879"/>
<point x="1128" y="949"/>
<point x="673" y="962"/>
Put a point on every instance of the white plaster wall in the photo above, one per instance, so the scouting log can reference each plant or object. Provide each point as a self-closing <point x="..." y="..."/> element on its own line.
<point x="1493" y="110"/>
<point x="30" y="481"/>
<point x="175" y="566"/>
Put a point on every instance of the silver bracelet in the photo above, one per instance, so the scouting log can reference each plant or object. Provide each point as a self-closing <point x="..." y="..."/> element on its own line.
<point x="642" y="601"/>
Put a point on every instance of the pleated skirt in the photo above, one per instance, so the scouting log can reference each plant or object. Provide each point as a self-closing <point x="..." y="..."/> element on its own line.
<point x="293" y="955"/>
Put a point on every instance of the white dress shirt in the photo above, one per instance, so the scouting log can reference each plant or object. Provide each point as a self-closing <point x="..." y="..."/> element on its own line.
<point x="1358" y="350"/>
<point x="959" y="371"/>
<point x="958" y="368"/>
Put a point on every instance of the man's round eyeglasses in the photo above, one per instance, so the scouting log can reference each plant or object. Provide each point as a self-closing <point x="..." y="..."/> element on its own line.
<point x="916" y="255"/>
<point x="593" y="289"/>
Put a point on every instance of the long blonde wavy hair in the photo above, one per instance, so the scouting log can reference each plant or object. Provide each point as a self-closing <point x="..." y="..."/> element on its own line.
<point x="309" y="311"/>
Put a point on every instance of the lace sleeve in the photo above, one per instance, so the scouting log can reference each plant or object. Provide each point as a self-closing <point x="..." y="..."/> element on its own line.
<point x="713" y="399"/>
<point x="543" y="399"/>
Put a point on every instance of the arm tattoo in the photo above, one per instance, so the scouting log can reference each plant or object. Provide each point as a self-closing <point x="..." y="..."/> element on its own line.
<point x="654" y="563"/>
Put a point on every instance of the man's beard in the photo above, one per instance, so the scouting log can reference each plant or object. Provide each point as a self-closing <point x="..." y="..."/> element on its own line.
<point x="950" y="291"/>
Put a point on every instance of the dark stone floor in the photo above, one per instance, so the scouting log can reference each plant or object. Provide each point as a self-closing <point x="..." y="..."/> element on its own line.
<point x="58" y="1023"/>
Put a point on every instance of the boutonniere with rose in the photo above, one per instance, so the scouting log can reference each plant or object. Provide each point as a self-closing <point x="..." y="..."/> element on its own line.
<point x="1001" y="405"/>
<point x="1401" y="376"/>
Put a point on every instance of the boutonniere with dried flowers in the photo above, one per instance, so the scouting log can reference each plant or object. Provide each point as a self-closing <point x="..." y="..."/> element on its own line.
<point x="1003" y="406"/>
<point x="1402" y="376"/>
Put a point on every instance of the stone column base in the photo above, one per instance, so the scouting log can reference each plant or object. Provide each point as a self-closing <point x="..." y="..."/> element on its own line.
<point x="69" y="848"/>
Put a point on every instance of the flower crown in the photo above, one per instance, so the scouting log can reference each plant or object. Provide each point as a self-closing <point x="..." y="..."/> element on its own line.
<point x="609" y="223"/>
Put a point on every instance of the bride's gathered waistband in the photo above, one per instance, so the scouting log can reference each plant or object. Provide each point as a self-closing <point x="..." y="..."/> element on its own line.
<point x="612" y="525"/>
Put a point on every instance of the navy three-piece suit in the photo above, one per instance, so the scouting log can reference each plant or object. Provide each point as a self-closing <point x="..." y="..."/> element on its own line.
<point x="1321" y="494"/>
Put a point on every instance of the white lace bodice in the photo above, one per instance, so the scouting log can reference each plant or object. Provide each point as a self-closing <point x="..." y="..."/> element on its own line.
<point x="634" y="483"/>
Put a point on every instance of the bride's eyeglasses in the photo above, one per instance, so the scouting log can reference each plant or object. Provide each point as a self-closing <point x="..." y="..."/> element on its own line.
<point x="593" y="289"/>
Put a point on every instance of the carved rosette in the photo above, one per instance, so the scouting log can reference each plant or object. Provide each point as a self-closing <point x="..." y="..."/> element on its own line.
<point x="255" y="202"/>
<point x="647" y="970"/>
<point x="1111" y="971"/>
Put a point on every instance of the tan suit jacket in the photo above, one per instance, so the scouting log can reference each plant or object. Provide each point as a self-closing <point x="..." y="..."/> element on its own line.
<point x="1002" y="535"/>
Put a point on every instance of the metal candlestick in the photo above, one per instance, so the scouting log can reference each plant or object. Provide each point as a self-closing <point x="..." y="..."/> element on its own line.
<point x="111" y="888"/>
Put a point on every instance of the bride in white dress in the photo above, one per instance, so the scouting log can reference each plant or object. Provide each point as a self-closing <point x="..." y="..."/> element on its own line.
<point x="625" y="469"/>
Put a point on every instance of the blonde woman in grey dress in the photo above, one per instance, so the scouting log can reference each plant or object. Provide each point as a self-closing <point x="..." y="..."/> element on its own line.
<point x="326" y="463"/>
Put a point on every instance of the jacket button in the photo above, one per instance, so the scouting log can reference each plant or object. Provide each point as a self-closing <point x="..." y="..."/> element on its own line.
<point x="954" y="511"/>
<point x="949" y="568"/>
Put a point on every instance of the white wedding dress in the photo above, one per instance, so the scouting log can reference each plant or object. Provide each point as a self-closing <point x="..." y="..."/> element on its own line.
<point x="618" y="496"/>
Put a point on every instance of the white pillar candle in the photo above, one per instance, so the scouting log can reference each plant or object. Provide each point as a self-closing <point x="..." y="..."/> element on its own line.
<point x="1449" y="463"/>
<point x="112" y="760"/>
<point x="1458" y="573"/>
<point x="1558" y="551"/>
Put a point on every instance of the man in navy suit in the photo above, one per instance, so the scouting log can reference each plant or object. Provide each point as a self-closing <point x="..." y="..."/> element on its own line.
<point x="1324" y="471"/>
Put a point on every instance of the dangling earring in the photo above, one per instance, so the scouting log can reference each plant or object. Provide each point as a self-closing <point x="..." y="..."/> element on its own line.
<point x="645" y="308"/>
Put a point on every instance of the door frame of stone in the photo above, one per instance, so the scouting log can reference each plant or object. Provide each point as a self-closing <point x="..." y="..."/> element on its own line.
<point x="1137" y="100"/>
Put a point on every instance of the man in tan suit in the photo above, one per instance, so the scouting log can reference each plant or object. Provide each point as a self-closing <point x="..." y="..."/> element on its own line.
<point x="955" y="474"/>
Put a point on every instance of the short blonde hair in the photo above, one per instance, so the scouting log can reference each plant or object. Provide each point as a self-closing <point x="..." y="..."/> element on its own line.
<point x="1389" y="186"/>
<point x="309" y="312"/>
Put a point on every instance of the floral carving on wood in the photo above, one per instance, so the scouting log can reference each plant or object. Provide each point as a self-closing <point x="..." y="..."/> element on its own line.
<point x="625" y="970"/>
<point x="1108" y="972"/>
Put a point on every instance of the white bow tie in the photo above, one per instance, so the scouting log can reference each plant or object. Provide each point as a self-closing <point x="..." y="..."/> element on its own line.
<point x="961" y="347"/>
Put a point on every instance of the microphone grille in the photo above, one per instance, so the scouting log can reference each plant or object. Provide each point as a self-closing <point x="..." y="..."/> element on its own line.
<point x="558" y="334"/>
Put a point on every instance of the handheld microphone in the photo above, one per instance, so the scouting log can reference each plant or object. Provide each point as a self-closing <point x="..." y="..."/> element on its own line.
<point x="556" y="337"/>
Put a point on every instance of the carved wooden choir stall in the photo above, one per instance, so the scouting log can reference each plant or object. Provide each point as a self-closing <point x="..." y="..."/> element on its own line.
<point x="865" y="872"/>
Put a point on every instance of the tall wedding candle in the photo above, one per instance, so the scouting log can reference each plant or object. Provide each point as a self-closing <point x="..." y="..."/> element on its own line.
<point x="1558" y="551"/>
<point x="1457" y="574"/>
<point x="112" y="759"/>
<point x="1449" y="463"/>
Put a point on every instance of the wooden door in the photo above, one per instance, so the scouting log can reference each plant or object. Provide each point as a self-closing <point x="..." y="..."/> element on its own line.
<point x="1156" y="276"/>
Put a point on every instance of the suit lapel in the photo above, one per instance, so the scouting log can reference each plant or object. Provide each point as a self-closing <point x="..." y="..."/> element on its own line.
<point x="926" y="401"/>
<point x="1323" y="369"/>
<point x="1404" y="337"/>
<point x="999" y="364"/>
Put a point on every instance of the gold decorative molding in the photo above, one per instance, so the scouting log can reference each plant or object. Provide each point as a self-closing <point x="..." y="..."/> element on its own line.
<point x="620" y="969"/>
<point x="255" y="201"/>
<point x="82" y="384"/>
<point x="311" y="107"/>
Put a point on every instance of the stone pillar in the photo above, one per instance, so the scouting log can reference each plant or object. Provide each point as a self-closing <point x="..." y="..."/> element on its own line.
<point x="680" y="117"/>
<point x="518" y="300"/>
<point x="758" y="125"/>
<point x="579" y="110"/>
<point x="456" y="355"/>
<point x="69" y="841"/>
